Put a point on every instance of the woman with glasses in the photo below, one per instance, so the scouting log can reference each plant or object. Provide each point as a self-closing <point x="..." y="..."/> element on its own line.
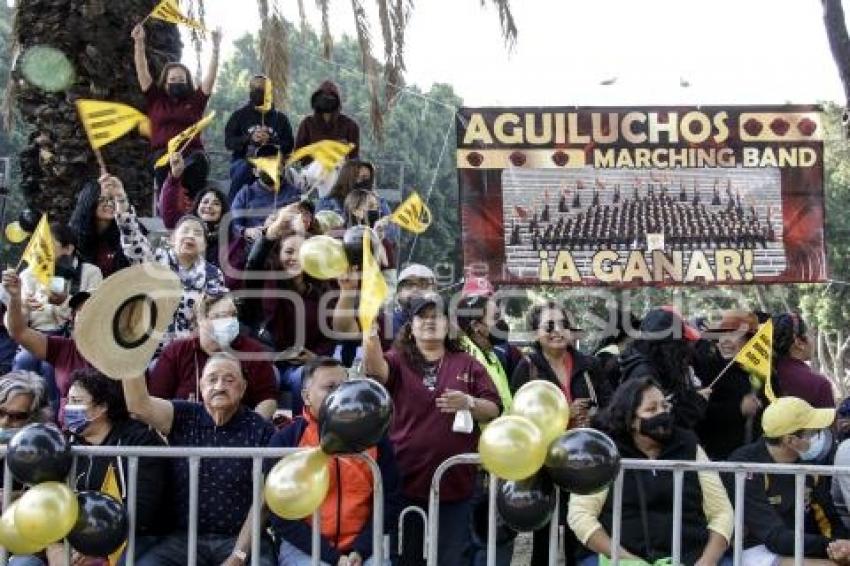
<point x="23" y="400"/>
<point x="439" y="392"/>
<point x="640" y="422"/>
<point x="98" y="236"/>
<point x="792" y="376"/>
<point x="554" y="358"/>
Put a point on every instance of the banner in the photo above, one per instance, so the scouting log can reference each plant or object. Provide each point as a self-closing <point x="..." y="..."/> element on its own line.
<point x="645" y="195"/>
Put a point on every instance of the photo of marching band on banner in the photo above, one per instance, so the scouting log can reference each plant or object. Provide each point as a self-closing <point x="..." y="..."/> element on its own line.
<point x="639" y="197"/>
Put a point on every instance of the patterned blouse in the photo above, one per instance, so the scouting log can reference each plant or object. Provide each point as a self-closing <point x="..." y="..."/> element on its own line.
<point x="200" y="279"/>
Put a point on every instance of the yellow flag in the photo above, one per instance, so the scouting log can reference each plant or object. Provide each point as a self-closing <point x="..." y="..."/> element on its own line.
<point x="105" y="122"/>
<point x="373" y="288"/>
<point x="178" y="142"/>
<point x="270" y="166"/>
<point x="755" y="357"/>
<point x="268" y="97"/>
<point x="110" y="487"/>
<point x="413" y="215"/>
<point x="329" y="153"/>
<point x="40" y="254"/>
<point x="168" y="11"/>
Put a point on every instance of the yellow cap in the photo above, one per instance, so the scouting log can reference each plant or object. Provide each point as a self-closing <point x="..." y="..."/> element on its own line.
<point x="790" y="414"/>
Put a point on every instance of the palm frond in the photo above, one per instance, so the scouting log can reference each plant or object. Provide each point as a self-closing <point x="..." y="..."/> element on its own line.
<point x="394" y="69"/>
<point x="302" y="15"/>
<point x="274" y="54"/>
<point x="327" y="40"/>
<point x="506" y="19"/>
<point x="7" y="110"/>
<point x="376" y="111"/>
<point x="386" y="29"/>
<point x="364" y="35"/>
<point x="263" y="8"/>
<point x="195" y="36"/>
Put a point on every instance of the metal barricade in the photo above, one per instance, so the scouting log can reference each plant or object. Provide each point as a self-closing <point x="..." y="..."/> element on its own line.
<point x="678" y="469"/>
<point x="194" y="456"/>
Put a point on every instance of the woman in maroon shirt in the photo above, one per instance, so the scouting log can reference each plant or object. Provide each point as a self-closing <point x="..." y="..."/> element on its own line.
<point x="172" y="105"/>
<point x="431" y="379"/>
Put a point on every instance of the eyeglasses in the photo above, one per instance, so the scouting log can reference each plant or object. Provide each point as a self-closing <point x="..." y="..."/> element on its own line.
<point x="14" y="416"/>
<point x="104" y="200"/>
<point x="553" y="325"/>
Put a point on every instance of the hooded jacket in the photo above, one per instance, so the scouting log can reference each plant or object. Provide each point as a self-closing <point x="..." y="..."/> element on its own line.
<point x="243" y="122"/>
<point x="340" y="127"/>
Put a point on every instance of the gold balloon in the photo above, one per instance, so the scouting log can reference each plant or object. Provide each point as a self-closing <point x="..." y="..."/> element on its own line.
<point x="46" y="512"/>
<point x="298" y="484"/>
<point x="323" y="257"/>
<point x="15" y="234"/>
<point x="512" y="448"/>
<point x="544" y="404"/>
<point x="329" y="220"/>
<point x="11" y="538"/>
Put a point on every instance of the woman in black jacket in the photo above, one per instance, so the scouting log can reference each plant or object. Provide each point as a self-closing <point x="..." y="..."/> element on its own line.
<point x="96" y="415"/>
<point x="554" y="358"/>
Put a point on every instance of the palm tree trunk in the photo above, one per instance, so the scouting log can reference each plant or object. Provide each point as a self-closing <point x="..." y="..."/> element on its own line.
<point x="95" y="36"/>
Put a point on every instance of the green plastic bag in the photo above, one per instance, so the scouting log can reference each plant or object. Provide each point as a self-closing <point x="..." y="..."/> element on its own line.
<point x="605" y="561"/>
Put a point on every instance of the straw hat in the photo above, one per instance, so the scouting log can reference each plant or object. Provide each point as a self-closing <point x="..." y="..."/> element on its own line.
<point x="119" y="328"/>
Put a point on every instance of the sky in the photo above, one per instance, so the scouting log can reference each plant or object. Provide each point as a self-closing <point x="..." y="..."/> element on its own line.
<point x="730" y="51"/>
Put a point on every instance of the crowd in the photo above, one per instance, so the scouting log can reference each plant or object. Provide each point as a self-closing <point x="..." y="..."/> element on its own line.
<point x="256" y="344"/>
<point x="687" y="224"/>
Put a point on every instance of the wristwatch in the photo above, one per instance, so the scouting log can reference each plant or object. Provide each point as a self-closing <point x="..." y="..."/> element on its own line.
<point x="241" y="555"/>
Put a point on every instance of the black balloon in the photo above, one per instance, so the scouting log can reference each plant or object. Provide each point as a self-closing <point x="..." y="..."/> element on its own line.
<point x="582" y="461"/>
<point x="39" y="453"/>
<point x="102" y="525"/>
<point x="355" y="416"/>
<point x="526" y="505"/>
<point x="352" y="241"/>
<point x="479" y="524"/>
<point x="28" y="219"/>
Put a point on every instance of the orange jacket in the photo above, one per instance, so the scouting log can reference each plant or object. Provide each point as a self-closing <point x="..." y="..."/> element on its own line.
<point x="348" y="505"/>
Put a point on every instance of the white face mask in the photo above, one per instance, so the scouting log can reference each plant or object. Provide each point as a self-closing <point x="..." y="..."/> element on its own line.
<point x="225" y="330"/>
<point x="816" y="447"/>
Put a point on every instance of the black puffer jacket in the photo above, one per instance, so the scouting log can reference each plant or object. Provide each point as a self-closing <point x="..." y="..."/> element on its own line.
<point x="586" y="381"/>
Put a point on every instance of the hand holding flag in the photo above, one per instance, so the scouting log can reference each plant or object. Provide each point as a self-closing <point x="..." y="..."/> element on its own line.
<point x="179" y="142"/>
<point x="40" y="254"/>
<point x="373" y="288"/>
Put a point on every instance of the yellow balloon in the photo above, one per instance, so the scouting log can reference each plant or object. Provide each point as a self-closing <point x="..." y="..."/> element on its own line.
<point x="512" y="448"/>
<point x="298" y="484"/>
<point x="329" y="220"/>
<point x="15" y="234"/>
<point x="10" y="538"/>
<point x="544" y="404"/>
<point x="46" y="513"/>
<point x="323" y="257"/>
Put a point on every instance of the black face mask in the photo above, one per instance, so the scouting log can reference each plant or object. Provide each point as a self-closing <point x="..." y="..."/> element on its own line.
<point x="178" y="90"/>
<point x="364" y="185"/>
<point x="326" y="104"/>
<point x="257" y="96"/>
<point x="65" y="267"/>
<point x="372" y="217"/>
<point x="658" y="428"/>
<point x="499" y="332"/>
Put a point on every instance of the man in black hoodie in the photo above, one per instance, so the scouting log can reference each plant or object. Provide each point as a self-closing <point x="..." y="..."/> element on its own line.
<point x="254" y="126"/>
<point x="327" y="121"/>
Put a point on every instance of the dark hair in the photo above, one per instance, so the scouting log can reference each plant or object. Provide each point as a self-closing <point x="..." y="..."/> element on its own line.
<point x="671" y="360"/>
<point x="103" y="391"/>
<point x="222" y="198"/>
<point x="345" y="180"/>
<point x="314" y="365"/>
<point x="786" y="328"/>
<point x="616" y="419"/>
<point x="163" y="76"/>
<point x="64" y="234"/>
<point x="406" y="345"/>
<point x="357" y="198"/>
<point x="84" y="223"/>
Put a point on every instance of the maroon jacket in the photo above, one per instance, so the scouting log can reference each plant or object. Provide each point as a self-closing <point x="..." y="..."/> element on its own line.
<point x="340" y="127"/>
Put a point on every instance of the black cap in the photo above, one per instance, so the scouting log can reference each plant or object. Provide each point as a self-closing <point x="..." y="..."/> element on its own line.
<point x="667" y="321"/>
<point x="420" y="303"/>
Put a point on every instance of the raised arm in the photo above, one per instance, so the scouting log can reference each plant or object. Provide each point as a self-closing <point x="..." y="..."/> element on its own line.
<point x="16" y="323"/>
<point x="134" y="243"/>
<point x="143" y="73"/>
<point x="212" y="70"/>
<point x="152" y="411"/>
<point x="374" y="363"/>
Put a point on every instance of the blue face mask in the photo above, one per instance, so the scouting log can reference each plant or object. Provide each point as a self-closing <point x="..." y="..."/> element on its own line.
<point x="817" y="444"/>
<point x="76" y="419"/>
